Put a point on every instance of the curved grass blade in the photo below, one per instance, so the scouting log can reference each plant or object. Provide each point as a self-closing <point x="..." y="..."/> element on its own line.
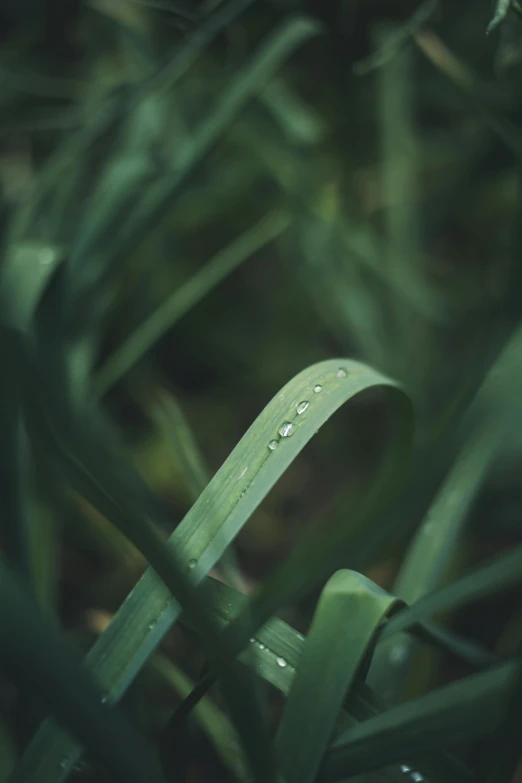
<point x="344" y="626"/>
<point x="40" y="660"/>
<point x="186" y="297"/>
<point x="315" y="558"/>
<point x="455" y="713"/>
<point x="213" y="522"/>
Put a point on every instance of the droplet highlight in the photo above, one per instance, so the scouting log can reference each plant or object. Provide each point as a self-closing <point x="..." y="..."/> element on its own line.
<point x="398" y="653"/>
<point x="341" y="372"/>
<point x="261" y="646"/>
<point x="282" y="662"/>
<point x="405" y="768"/>
<point x="417" y="777"/>
<point x="318" y="388"/>
<point x="302" y="406"/>
<point x="192" y="563"/>
<point x="286" y="429"/>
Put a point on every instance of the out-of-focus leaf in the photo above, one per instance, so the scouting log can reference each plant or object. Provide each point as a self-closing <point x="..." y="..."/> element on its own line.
<point x="182" y="300"/>
<point x="38" y="658"/>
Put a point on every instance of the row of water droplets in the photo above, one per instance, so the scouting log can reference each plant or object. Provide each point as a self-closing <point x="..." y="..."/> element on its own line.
<point x="281" y="662"/>
<point x="287" y="428"/>
<point x="414" y="776"/>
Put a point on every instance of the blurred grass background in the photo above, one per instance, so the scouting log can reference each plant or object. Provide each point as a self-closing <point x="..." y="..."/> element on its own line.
<point x="398" y="179"/>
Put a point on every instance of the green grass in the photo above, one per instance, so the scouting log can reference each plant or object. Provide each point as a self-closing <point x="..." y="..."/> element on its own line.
<point x="129" y="315"/>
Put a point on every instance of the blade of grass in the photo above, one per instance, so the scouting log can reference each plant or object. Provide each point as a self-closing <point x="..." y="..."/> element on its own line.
<point x="186" y="297"/>
<point x="209" y="527"/>
<point x="344" y="626"/>
<point x="170" y="419"/>
<point x="40" y="659"/>
<point x="451" y="715"/>
<point x="496" y="576"/>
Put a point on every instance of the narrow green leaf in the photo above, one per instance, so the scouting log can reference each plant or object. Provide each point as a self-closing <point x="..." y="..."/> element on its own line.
<point x="348" y="614"/>
<point x="170" y="419"/>
<point x="496" y="576"/>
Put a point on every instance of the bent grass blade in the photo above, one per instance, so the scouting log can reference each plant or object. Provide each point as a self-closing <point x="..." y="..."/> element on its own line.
<point x="208" y="529"/>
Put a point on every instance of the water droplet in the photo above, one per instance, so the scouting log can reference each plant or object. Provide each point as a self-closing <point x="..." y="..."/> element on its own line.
<point x="416" y="777"/>
<point x="281" y="662"/>
<point x="273" y="445"/>
<point x="192" y="563"/>
<point x="318" y="388"/>
<point x="405" y="768"/>
<point x="47" y="256"/>
<point x="64" y="763"/>
<point x="242" y="473"/>
<point x="398" y="653"/>
<point x="151" y="624"/>
<point x="286" y="429"/>
<point x="252" y="640"/>
<point x="341" y="372"/>
<point x="261" y="646"/>
<point x="105" y="698"/>
<point x="302" y="407"/>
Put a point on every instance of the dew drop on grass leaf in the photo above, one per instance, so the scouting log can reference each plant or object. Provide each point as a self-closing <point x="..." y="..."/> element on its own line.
<point x="341" y="372"/>
<point x="273" y="445"/>
<point x="318" y="388"/>
<point x="405" y="768"/>
<point x="192" y="563"/>
<point x="282" y="662"/>
<point x="261" y="646"/>
<point x="286" y="429"/>
<point x="416" y="777"/>
<point x="302" y="406"/>
<point x="252" y="640"/>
